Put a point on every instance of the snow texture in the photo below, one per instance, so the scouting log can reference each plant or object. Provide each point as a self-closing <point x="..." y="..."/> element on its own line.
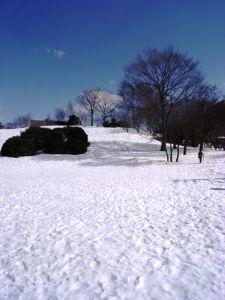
<point x="118" y="222"/>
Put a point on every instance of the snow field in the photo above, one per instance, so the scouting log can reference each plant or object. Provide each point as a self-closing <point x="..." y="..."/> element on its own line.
<point x="115" y="223"/>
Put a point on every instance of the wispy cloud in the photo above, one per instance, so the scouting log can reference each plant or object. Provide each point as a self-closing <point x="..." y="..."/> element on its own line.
<point x="56" y="52"/>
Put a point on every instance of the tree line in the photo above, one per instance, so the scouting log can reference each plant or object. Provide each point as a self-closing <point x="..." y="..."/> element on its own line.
<point x="163" y="91"/>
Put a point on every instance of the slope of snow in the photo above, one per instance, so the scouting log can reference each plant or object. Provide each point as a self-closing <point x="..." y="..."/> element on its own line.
<point x="115" y="223"/>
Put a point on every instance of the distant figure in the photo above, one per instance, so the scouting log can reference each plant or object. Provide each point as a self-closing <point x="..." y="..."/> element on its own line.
<point x="200" y="156"/>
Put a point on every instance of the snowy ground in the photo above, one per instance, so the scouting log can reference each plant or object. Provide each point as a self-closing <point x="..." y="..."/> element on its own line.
<point x="115" y="223"/>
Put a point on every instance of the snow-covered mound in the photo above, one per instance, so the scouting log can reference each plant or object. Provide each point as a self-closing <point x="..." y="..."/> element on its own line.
<point x="117" y="222"/>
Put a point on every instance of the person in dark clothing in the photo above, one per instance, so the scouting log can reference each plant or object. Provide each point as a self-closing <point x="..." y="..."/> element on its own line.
<point x="200" y="156"/>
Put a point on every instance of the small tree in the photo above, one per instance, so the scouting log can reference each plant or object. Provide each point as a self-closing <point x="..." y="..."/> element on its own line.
<point x="82" y="114"/>
<point x="48" y="117"/>
<point x="10" y="125"/>
<point x="107" y="104"/>
<point x="22" y="121"/>
<point x="69" y="109"/>
<point x="74" y="120"/>
<point x="60" y="114"/>
<point x="89" y="101"/>
<point x="201" y="115"/>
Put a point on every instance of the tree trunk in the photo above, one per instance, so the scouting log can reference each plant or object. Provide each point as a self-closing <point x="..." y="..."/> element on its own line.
<point x="163" y="144"/>
<point x="92" y="119"/>
<point x="103" y="120"/>
<point x="185" y="148"/>
<point x="164" y="138"/>
<point x="171" y="152"/>
<point x="178" y="152"/>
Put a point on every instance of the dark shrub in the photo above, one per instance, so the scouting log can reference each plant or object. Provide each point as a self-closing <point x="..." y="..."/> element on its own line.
<point x="39" y="135"/>
<point x="67" y="140"/>
<point x="75" y="146"/>
<point x="18" y="146"/>
<point x="112" y="123"/>
<point x="55" y="142"/>
<point x="75" y="132"/>
<point x="74" y="120"/>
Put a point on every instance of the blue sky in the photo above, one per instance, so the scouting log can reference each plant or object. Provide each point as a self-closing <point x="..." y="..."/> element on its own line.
<point x="50" y="50"/>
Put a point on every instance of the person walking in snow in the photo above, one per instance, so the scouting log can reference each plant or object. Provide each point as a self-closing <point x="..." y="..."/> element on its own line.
<point x="200" y="156"/>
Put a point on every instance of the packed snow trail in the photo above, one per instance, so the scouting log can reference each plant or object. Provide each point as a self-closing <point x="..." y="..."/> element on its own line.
<point x="115" y="223"/>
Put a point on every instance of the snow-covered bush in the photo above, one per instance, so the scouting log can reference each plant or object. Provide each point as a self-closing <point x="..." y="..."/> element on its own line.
<point x="18" y="146"/>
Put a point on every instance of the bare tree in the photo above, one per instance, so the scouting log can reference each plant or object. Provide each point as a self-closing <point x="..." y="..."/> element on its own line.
<point x="134" y="103"/>
<point x="22" y="121"/>
<point x="89" y="100"/>
<point x="170" y="76"/>
<point x="48" y="117"/>
<point x="82" y="113"/>
<point x="107" y="104"/>
<point x="201" y="117"/>
<point x="70" y="109"/>
<point x="60" y="114"/>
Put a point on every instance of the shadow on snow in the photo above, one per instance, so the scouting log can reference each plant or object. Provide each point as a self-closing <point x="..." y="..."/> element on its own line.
<point x="113" y="153"/>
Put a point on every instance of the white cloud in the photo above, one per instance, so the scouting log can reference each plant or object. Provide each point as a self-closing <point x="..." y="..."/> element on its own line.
<point x="56" y="52"/>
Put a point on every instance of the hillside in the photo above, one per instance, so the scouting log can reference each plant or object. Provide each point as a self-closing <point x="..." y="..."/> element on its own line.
<point x="118" y="222"/>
